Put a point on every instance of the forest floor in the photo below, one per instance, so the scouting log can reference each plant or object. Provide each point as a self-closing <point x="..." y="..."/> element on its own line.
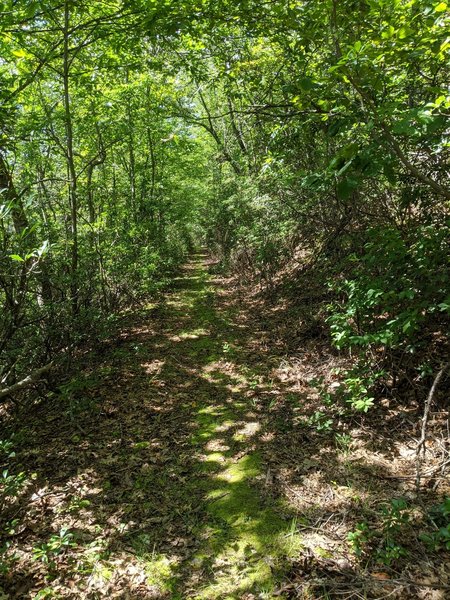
<point x="194" y="456"/>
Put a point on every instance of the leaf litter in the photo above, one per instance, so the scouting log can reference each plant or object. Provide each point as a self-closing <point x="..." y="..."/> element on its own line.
<point x="193" y="458"/>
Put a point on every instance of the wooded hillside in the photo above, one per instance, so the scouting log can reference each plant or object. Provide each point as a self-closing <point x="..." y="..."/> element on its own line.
<point x="234" y="218"/>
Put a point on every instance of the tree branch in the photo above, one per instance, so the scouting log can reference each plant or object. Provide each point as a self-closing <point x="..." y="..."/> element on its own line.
<point x="20" y="385"/>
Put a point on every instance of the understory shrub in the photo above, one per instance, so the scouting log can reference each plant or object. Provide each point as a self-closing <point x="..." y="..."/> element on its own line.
<point x="394" y="302"/>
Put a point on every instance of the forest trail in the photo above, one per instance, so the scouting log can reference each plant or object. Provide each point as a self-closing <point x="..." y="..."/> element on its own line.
<point x="273" y="425"/>
<point x="157" y="469"/>
<point x="191" y="458"/>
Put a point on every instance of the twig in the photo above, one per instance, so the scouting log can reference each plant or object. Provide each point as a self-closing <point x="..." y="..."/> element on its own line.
<point x="427" y="475"/>
<point x="400" y="581"/>
<point x="318" y="529"/>
<point x="219" y="497"/>
<point x="421" y="446"/>
<point x="34" y="376"/>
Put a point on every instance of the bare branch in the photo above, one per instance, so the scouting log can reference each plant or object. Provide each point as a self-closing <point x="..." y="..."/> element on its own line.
<point x="32" y="378"/>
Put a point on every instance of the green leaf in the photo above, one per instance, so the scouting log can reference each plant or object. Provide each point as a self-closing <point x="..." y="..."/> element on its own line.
<point x="404" y="32"/>
<point x="16" y="257"/>
<point x="407" y="326"/>
<point x="346" y="187"/>
<point x="306" y="83"/>
<point x="19" y="53"/>
<point x="312" y="181"/>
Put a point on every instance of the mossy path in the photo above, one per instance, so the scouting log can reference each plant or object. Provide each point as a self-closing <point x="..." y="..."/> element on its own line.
<point x="191" y="458"/>
<point x="239" y="536"/>
<point x="153" y="485"/>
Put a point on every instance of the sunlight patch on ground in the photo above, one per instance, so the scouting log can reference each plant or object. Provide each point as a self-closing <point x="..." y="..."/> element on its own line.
<point x="160" y="571"/>
<point x="226" y="372"/>
<point x="250" y="538"/>
<point x="247" y="467"/>
<point x="154" y="367"/>
<point x="217" y="446"/>
<point x="150" y="571"/>
<point x="224" y="426"/>
<point x="247" y="430"/>
<point x="193" y="334"/>
<point x="213" y="457"/>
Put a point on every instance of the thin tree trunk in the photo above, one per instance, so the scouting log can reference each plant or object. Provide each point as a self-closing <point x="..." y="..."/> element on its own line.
<point x="73" y="203"/>
<point x="237" y="132"/>
<point x="9" y="192"/>
<point x="152" y="164"/>
<point x="212" y="130"/>
<point x="23" y="230"/>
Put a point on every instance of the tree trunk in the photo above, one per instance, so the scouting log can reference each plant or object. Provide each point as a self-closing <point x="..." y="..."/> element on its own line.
<point x="73" y="204"/>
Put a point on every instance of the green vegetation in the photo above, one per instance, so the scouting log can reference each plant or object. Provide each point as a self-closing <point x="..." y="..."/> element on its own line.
<point x="225" y="297"/>
<point x="134" y="131"/>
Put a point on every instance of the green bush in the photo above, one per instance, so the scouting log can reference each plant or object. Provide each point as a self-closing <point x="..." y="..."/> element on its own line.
<point x="395" y="296"/>
<point x="396" y="288"/>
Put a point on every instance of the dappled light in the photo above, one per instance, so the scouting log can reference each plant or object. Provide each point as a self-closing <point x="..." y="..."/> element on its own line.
<point x="197" y="471"/>
<point x="224" y="300"/>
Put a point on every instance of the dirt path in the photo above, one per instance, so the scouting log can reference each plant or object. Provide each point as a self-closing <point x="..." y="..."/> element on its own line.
<point x="192" y="458"/>
<point x="152" y="485"/>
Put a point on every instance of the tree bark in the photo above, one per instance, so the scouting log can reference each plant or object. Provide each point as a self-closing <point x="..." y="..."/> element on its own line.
<point x="20" y="385"/>
<point x="72" y="174"/>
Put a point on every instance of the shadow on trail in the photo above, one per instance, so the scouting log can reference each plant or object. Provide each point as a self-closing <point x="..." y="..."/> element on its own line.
<point x="155" y="464"/>
<point x="162" y="462"/>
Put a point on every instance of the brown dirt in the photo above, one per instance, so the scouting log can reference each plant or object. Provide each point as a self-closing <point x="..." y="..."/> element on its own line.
<point x="111" y="459"/>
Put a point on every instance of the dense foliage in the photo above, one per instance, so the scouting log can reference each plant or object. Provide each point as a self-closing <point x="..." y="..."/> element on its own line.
<point x="305" y="145"/>
<point x="316" y="130"/>
<point x="100" y="186"/>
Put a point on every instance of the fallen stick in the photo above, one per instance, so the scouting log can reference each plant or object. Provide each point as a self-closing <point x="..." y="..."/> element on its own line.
<point x="421" y="446"/>
<point x="20" y="385"/>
